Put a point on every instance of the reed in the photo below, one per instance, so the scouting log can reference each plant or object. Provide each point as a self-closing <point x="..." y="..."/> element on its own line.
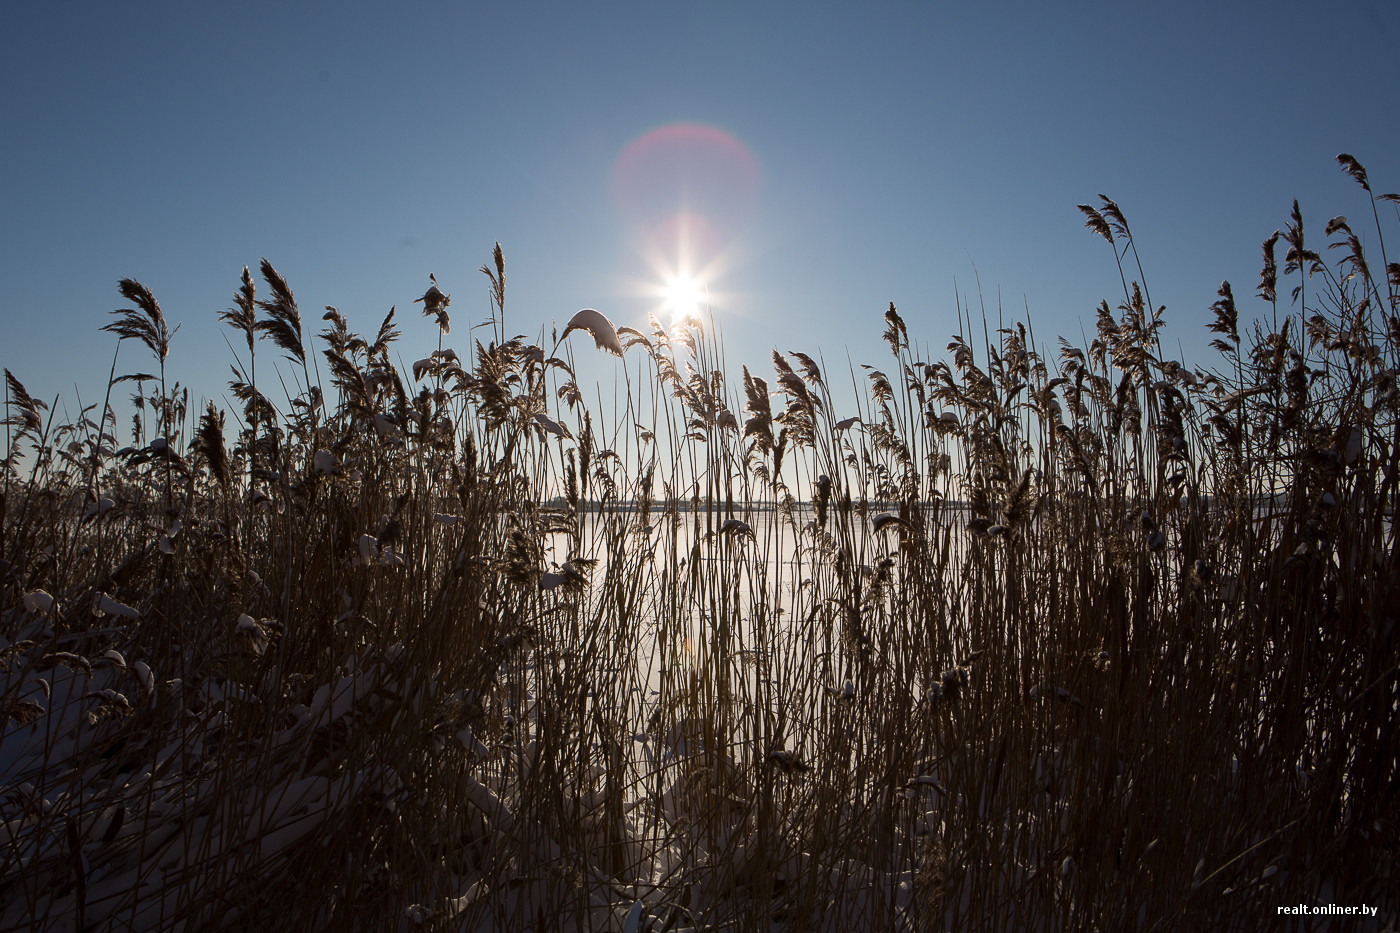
<point x="1016" y="636"/>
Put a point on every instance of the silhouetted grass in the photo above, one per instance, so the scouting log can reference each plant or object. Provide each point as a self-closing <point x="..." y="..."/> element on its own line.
<point x="1036" y="637"/>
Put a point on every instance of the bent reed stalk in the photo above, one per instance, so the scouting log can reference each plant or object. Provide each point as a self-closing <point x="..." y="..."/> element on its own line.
<point x="1034" y="638"/>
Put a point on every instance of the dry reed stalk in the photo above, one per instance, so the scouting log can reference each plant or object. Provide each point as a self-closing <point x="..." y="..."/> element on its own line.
<point x="1092" y="642"/>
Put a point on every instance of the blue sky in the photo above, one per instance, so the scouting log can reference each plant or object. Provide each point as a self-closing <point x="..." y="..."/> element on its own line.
<point x="902" y="152"/>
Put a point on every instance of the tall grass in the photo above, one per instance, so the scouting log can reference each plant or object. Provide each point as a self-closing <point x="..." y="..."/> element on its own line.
<point x="1038" y="637"/>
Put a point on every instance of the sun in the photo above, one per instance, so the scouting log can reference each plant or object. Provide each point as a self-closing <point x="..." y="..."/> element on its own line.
<point x="684" y="296"/>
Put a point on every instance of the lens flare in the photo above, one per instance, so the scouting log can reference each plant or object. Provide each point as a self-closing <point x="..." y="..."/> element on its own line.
<point x="686" y="167"/>
<point x="687" y="191"/>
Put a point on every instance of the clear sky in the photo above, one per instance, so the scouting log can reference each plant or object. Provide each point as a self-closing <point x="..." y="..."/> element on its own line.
<point x="823" y="160"/>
